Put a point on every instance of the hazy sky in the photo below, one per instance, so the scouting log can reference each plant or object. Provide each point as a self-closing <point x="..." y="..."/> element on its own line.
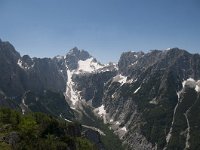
<point x="105" y="28"/>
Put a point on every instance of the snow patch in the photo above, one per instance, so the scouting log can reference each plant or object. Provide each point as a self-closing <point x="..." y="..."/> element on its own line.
<point x="189" y="82"/>
<point x="113" y="95"/>
<point x="116" y="66"/>
<point x="192" y="84"/>
<point x="124" y="129"/>
<point x="88" y="65"/>
<point x="130" y="81"/>
<point x="120" y="78"/>
<point x="19" y="62"/>
<point x="24" y="65"/>
<point x="101" y="110"/>
<point x="117" y="123"/>
<point x="197" y="88"/>
<point x="168" y="49"/>
<point x="23" y="111"/>
<point x="61" y="71"/>
<point x="59" y="57"/>
<point x="153" y="101"/>
<point x="134" y="63"/>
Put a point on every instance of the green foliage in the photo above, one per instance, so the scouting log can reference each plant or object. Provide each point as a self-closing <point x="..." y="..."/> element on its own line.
<point x="4" y="146"/>
<point x="9" y="117"/>
<point x="39" y="131"/>
<point x="84" y="144"/>
<point x="28" y="125"/>
<point x="111" y="141"/>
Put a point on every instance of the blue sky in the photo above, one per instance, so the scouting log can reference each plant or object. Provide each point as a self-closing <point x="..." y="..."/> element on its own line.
<point x="105" y="28"/>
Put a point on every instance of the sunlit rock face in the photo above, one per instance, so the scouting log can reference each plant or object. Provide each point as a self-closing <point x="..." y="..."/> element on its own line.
<point x="140" y="102"/>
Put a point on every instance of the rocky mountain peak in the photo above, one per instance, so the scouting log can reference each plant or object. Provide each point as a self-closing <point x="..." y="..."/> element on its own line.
<point x="74" y="51"/>
<point x="80" y="54"/>
<point x="177" y="51"/>
<point x="127" y="59"/>
<point x="7" y="50"/>
<point x="74" y="56"/>
<point x="27" y="59"/>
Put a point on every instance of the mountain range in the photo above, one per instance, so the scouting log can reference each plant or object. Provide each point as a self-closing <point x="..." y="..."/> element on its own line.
<point x="149" y="100"/>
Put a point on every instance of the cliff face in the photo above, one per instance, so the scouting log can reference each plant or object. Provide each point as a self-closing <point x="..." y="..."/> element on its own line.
<point x="154" y="94"/>
<point x="140" y="101"/>
<point x="10" y="81"/>
<point x="19" y="74"/>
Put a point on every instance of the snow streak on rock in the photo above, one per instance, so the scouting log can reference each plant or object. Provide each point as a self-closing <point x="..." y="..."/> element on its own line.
<point x="137" y="90"/>
<point x="23" y="106"/>
<point x="187" y="144"/>
<point x="70" y="92"/>
<point x="95" y="129"/>
<point x="65" y="118"/>
<point x="171" y="128"/>
<point x="89" y="127"/>
<point x="169" y="135"/>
